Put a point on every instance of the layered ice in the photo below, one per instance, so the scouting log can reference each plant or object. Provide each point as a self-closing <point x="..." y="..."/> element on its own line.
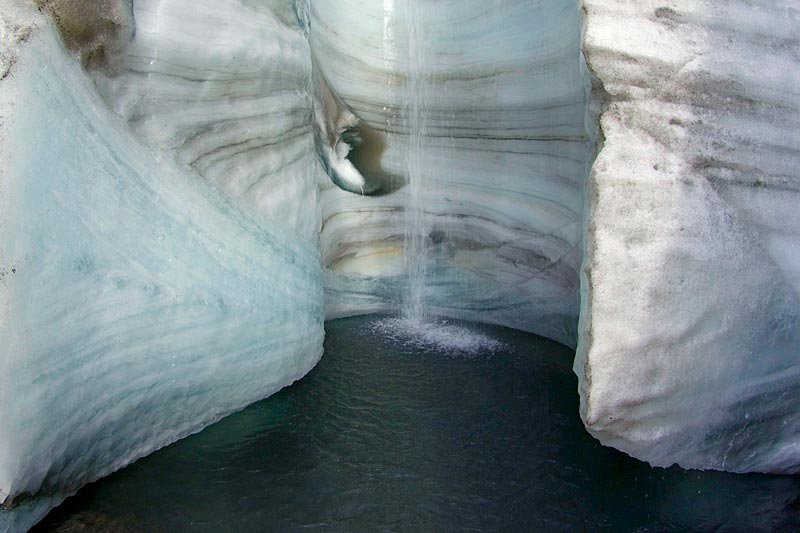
<point x="139" y="303"/>
<point x="176" y="193"/>
<point x="504" y="157"/>
<point x="222" y="86"/>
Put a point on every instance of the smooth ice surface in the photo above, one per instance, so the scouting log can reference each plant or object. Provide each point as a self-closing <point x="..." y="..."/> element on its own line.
<point x="139" y="304"/>
<point x="690" y="315"/>
<point x="222" y="86"/>
<point x="385" y="436"/>
<point x="502" y="162"/>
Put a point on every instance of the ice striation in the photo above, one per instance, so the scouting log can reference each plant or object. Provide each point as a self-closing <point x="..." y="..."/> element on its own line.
<point x="505" y="157"/>
<point x="223" y="87"/>
<point x="139" y="303"/>
<point x="189" y="189"/>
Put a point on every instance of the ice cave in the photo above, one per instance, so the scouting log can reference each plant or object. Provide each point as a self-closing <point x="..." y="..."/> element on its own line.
<point x="399" y="265"/>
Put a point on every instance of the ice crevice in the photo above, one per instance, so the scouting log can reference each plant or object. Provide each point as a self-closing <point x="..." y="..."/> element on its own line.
<point x="189" y="189"/>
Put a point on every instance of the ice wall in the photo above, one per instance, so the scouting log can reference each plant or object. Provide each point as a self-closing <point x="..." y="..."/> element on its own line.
<point x="222" y="86"/>
<point x="161" y="217"/>
<point x="689" y="348"/>
<point x="505" y="159"/>
<point x="138" y="303"/>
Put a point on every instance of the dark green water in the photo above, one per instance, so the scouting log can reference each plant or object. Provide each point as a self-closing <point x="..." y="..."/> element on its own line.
<point x="386" y="435"/>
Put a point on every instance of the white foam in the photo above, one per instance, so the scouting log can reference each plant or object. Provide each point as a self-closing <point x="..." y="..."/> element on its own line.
<point x="438" y="336"/>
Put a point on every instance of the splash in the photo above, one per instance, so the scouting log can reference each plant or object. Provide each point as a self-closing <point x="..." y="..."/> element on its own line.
<point x="439" y="336"/>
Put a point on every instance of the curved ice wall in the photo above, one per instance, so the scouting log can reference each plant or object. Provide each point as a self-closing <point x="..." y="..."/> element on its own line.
<point x="504" y="164"/>
<point x="161" y="218"/>
<point x="138" y="302"/>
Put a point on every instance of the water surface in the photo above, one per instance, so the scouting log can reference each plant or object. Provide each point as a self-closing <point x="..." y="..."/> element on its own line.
<point x="393" y="434"/>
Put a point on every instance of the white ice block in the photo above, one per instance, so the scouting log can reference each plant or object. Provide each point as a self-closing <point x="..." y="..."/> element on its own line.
<point x="138" y="303"/>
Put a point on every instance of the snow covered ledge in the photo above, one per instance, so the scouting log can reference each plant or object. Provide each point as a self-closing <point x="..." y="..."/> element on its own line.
<point x="689" y="347"/>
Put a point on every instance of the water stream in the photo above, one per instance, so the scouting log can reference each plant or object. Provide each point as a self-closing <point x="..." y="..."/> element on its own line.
<point x="415" y="118"/>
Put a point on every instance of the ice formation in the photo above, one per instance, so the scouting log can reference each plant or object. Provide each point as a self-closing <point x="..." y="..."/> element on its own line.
<point x="139" y="304"/>
<point x="181" y="181"/>
<point x="505" y="159"/>
<point x="690" y="349"/>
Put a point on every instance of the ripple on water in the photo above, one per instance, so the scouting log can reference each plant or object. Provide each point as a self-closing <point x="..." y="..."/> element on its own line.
<point x="385" y="435"/>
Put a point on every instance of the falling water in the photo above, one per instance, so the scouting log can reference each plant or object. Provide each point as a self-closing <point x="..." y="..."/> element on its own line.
<point x="416" y="328"/>
<point x="415" y="110"/>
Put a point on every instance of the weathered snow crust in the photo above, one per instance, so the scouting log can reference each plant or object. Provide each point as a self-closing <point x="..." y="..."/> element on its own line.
<point x="689" y="338"/>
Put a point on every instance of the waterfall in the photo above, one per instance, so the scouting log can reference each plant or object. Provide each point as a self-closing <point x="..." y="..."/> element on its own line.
<point x="415" y="111"/>
<point x="415" y="327"/>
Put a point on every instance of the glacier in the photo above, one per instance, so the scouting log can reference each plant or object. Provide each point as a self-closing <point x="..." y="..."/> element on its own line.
<point x="189" y="189"/>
